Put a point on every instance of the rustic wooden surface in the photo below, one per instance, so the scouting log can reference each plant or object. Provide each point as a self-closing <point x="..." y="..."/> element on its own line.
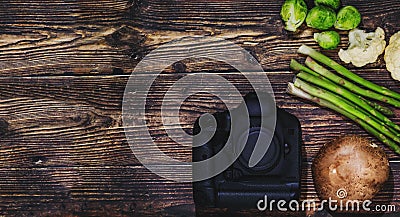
<point x="64" y="65"/>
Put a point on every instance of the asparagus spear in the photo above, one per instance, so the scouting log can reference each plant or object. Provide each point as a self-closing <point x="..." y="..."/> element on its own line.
<point x="299" y="67"/>
<point x="348" y="95"/>
<point x="340" y="102"/>
<point x="385" y="110"/>
<point x="300" y="93"/>
<point x="347" y="84"/>
<point x="355" y="106"/>
<point x="304" y="49"/>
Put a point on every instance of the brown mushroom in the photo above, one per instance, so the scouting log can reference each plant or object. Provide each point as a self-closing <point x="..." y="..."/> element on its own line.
<point x="350" y="168"/>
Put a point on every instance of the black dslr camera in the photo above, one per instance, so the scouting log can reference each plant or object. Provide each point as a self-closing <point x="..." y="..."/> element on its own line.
<point x="277" y="173"/>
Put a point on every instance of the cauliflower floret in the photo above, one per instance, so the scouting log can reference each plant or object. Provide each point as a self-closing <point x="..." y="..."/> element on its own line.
<point x="392" y="56"/>
<point x="364" y="47"/>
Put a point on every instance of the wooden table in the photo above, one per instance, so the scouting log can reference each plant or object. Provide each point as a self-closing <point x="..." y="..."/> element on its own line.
<point x="64" y="67"/>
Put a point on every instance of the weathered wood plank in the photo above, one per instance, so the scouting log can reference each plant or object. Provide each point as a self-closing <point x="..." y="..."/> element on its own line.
<point x="56" y="124"/>
<point x="65" y="135"/>
<point x="77" y="120"/>
<point x="56" y="37"/>
<point x="77" y="191"/>
<point x="62" y="144"/>
<point x="110" y="37"/>
<point x="119" y="191"/>
<point x="64" y="119"/>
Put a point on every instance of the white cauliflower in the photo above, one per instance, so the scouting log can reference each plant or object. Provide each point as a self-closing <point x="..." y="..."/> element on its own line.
<point x="392" y="56"/>
<point x="364" y="47"/>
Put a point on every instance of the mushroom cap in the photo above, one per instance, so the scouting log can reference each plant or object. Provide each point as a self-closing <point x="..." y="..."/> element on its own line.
<point x="350" y="168"/>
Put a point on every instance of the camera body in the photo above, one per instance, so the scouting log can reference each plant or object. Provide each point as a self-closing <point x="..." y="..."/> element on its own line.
<point x="276" y="175"/>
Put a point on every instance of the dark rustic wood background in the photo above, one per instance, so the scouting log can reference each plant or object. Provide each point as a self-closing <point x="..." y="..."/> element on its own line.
<point x="64" y="65"/>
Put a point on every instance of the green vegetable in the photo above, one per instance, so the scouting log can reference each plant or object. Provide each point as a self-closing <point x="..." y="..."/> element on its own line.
<point x="304" y="49"/>
<point x="318" y="84"/>
<point x="385" y="110"/>
<point x="328" y="39"/>
<point x="316" y="68"/>
<point x="293" y="12"/>
<point x="349" y="96"/>
<point x="298" y="67"/>
<point x="348" y="18"/>
<point x="325" y="75"/>
<point x="321" y="17"/>
<point x="334" y="4"/>
<point x="304" y="95"/>
<point x="343" y="104"/>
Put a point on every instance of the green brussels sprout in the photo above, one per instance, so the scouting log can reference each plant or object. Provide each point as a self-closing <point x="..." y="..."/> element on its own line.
<point x="294" y="13"/>
<point x="328" y="39"/>
<point x="334" y="4"/>
<point x="348" y="18"/>
<point x="321" y="17"/>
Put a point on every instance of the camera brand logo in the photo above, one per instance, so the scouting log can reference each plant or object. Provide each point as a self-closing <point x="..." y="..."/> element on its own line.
<point x="138" y="87"/>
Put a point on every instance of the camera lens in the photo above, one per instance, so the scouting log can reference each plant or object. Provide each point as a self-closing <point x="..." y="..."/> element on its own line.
<point x="271" y="156"/>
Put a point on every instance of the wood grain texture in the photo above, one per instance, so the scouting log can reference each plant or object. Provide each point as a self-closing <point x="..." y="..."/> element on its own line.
<point x="77" y="120"/>
<point x="111" y="36"/>
<point x="64" y="65"/>
<point x="65" y="135"/>
<point x="121" y="191"/>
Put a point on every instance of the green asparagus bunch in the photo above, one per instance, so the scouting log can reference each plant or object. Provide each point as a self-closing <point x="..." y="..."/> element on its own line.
<point x="346" y="93"/>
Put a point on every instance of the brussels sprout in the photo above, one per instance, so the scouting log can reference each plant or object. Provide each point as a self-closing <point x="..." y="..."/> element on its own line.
<point x="294" y="13"/>
<point x="321" y="17"/>
<point x="330" y="3"/>
<point x="348" y="18"/>
<point x="328" y="39"/>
